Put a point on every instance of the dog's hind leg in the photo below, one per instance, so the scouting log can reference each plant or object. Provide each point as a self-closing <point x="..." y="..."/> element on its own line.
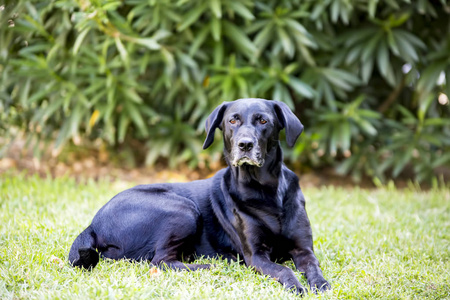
<point x="83" y="253"/>
<point x="173" y="245"/>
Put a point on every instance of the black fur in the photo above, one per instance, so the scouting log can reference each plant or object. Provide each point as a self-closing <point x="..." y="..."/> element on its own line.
<point x="254" y="208"/>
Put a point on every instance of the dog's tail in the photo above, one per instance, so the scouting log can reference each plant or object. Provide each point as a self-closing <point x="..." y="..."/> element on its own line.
<point x="83" y="253"/>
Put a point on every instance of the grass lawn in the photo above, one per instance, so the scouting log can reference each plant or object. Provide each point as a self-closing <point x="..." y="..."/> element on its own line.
<point x="386" y="243"/>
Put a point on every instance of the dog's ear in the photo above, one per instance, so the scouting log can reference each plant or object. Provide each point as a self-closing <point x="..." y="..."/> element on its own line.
<point x="213" y="122"/>
<point x="289" y="121"/>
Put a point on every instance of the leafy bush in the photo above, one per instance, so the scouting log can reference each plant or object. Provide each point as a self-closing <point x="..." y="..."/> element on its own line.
<point x="365" y="76"/>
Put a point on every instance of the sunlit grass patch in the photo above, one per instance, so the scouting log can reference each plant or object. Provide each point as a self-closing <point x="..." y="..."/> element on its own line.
<point x="386" y="243"/>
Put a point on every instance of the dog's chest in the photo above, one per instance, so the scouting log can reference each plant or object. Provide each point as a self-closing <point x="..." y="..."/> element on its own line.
<point x="271" y="221"/>
<point x="265" y="218"/>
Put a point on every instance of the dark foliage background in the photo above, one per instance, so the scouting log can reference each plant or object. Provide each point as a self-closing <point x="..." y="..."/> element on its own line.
<point x="368" y="78"/>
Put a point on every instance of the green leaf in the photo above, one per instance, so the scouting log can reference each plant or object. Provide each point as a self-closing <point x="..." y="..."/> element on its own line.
<point x="218" y="54"/>
<point x="241" y="9"/>
<point x="344" y="75"/>
<point x="79" y="40"/>
<point x="424" y="104"/>
<point x="24" y="94"/>
<point x="366" y="70"/>
<point x="401" y="163"/>
<point x="45" y="112"/>
<point x="372" y="7"/>
<point x="398" y="21"/>
<point x="281" y="93"/>
<point x="392" y="43"/>
<point x="263" y="86"/>
<point x="286" y="42"/>
<point x="63" y="134"/>
<point x="41" y="47"/>
<point x="216" y="29"/>
<point x="413" y="40"/>
<point x="383" y="58"/>
<point x="124" y="122"/>
<point x="429" y="77"/>
<point x="344" y="135"/>
<point x="187" y="60"/>
<point x="132" y="95"/>
<point x="42" y="93"/>
<point x="306" y="55"/>
<point x="354" y="53"/>
<point x="150" y="43"/>
<point x="301" y="87"/>
<point x="384" y="65"/>
<point x="318" y="10"/>
<point x="370" y="114"/>
<point x="366" y="127"/>
<point x="216" y="8"/>
<point x="370" y="47"/>
<point x="436" y="122"/>
<point x="332" y="117"/>
<point x="256" y="26"/>
<point x="355" y="37"/>
<point x="341" y="79"/>
<point x="238" y="37"/>
<point x="112" y="5"/>
<point x="335" y="9"/>
<point x="296" y="26"/>
<point x="136" y="117"/>
<point x="122" y="51"/>
<point x="199" y="40"/>
<point x="243" y="87"/>
<point x="168" y="59"/>
<point x="405" y="112"/>
<point x="328" y="94"/>
<point x="406" y="48"/>
<point x="36" y="25"/>
<point x="75" y="118"/>
<point x="390" y="76"/>
<point x="192" y="16"/>
<point x="263" y="38"/>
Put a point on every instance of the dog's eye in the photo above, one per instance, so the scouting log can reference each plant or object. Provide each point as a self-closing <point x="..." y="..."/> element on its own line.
<point x="233" y="121"/>
<point x="262" y="121"/>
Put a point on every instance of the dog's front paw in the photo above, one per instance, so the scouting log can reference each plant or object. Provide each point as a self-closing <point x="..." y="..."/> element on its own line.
<point x="299" y="289"/>
<point x="319" y="285"/>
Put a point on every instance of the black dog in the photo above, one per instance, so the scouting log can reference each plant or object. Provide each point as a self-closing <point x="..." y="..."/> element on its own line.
<point x="254" y="208"/>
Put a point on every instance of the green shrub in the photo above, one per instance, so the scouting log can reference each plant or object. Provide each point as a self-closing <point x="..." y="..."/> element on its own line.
<point x="363" y="76"/>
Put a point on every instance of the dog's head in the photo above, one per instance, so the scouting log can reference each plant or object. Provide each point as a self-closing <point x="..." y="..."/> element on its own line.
<point x="251" y="128"/>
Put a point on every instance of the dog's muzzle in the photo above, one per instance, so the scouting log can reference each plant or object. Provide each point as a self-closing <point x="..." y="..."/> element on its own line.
<point x="246" y="152"/>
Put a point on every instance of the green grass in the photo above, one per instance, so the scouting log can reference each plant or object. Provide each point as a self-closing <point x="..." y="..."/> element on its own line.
<point x="386" y="243"/>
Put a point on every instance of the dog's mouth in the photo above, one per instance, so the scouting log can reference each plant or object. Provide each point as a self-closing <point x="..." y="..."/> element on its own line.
<point x="246" y="161"/>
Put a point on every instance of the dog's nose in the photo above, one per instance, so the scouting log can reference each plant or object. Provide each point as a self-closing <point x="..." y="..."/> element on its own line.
<point x="245" y="144"/>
